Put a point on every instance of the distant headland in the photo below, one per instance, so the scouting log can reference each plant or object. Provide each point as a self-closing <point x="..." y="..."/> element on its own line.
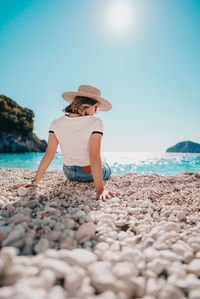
<point x="16" y="129"/>
<point x="184" y="147"/>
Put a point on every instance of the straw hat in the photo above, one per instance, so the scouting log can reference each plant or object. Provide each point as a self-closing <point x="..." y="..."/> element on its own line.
<point x="90" y="92"/>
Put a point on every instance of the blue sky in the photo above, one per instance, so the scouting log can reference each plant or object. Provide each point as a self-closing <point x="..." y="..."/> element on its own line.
<point x="149" y="71"/>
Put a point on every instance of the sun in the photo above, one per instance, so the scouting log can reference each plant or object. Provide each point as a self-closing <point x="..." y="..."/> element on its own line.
<point x="119" y="17"/>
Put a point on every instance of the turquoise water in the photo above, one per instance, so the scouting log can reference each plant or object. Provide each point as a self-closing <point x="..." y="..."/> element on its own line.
<point x="120" y="162"/>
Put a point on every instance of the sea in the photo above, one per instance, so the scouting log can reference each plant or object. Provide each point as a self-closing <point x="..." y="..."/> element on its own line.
<point x="120" y="162"/>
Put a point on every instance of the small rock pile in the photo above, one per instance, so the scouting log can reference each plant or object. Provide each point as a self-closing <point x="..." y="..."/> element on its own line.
<point x="58" y="241"/>
<point x="33" y="225"/>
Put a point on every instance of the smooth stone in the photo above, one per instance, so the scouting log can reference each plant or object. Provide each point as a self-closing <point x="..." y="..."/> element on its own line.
<point x="78" y="215"/>
<point x="15" y="238"/>
<point x="70" y="223"/>
<point x="171" y="226"/>
<point x="142" y="228"/>
<point x="78" y="256"/>
<point x="135" y="211"/>
<point x="198" y="255"/>
<point x="57" y="292"/>
<point x="32" y="204"/>
<point x="169" y="291"/>
<point x="4" y="213"/>
<point x="42" y="245"/>
<point x="104" y="281"/>
<point x="181" y="248"/>
<point x="66" y="242"/>
<point x="115" y="246"/>
<point x="181" y="215"/>
<point x="35" y="282"/>
<point x="12" y="273"/>
<point x="105" y="295"/>
<point x="27" y="211"/>
<point x="155" y="232"/>
<point x="18" y="218"/>
<point x="58" y="267"/>
<point x="194" y="294"/>
<point x="194" y="266"/>
<point x="157" y="265"/>
<point x="27" y="292"/>
<point x="169" y="255"/>
<point x="111" y="256"/>
<point x="8" y="254"/>
<point x="148" y="242"/>
<point x="121" y="222"/>
<point x="131" y="255"/>
<point x="6" y="292"/>
<point x="124" y="270"/>
<point x="194" y="243"/>
<point x="85" y="232"/>
<point x="85" y="289"/>
<point x="4" y="231"/>
<point x="100" y="267"/>
<point x="148" y="273"/>
<point x="72" y="210"/>
<point x="102" y="246"/>
<point x="112" y="235"/>
<point x="73" y="280"/>
<point x="53" y="235"/>
<point x="49" y="277"/>
<point x="139" y="285"/>
<point x="150" y="253"/>
<point x="10" y="208"/>
<point x="153" y="286"/>
<point x="190" y="282"/>
<point x="22" y="191"/>
<point x="108" y="282"/>
<point x="122" y="235"/>
<point x="132" y="241"/>
<point x="176" y="269"/>
<point x="51" y="253"/>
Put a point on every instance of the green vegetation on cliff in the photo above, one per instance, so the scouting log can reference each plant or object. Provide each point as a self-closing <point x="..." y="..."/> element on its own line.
<point x="14" y="118"/>
<point x="16" y="129"/>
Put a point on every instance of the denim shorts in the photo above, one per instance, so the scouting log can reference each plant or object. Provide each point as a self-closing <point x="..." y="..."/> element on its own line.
<point x="76" y="173"/>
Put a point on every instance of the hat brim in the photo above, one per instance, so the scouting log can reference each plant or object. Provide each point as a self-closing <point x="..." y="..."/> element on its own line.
<point x="104" y="104"/>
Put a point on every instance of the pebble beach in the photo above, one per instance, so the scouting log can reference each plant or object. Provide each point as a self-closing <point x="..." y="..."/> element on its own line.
<point x="58" y="241"/>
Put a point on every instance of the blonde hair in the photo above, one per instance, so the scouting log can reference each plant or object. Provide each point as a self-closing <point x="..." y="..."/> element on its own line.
<point x="80" y="104"/>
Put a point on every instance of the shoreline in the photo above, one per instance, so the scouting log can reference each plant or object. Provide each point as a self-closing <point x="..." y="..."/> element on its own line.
<point x="145" y="242"/>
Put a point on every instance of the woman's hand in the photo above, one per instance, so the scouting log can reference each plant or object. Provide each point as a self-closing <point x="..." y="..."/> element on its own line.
<point x="25" y="185"/>
<point x="32" y="184"/>
<point x="105" y="194"/>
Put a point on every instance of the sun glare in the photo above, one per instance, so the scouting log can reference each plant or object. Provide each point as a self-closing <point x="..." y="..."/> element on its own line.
<point x="119" y="17"/>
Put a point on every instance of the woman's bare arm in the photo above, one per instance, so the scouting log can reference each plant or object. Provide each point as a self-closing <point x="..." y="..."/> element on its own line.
<point x="95" y="161"/>
<point x="48" y="157"/>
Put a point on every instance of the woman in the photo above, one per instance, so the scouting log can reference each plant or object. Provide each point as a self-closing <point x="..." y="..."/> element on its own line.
<point x="79" y="134"/>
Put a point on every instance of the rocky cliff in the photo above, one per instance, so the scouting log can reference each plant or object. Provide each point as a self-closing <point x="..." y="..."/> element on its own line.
<point x="184" y="147"/>
<point x="16" y="129"/>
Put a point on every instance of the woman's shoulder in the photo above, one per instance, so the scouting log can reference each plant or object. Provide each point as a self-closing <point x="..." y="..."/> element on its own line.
<point x="59" y="118"/>
<point x="95" y="117"/>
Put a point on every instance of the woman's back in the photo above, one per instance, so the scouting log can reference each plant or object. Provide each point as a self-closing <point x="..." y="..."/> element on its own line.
<point x="73" y="134"/>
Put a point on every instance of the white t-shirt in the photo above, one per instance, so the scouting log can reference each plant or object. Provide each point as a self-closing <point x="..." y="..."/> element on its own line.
<point x="73" y="134"/>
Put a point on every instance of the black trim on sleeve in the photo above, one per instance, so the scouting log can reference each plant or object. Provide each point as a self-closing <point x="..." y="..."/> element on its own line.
<point x="97" y="132"/>
<point x="51" y="131"/>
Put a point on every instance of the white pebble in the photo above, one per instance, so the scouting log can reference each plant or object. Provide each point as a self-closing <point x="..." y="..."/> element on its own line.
<point x="22" y="191"/>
